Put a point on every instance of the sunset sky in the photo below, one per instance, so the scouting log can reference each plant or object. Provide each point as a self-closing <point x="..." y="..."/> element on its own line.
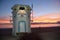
<point x="48" y="18"/>
<point x="40" y="8"/>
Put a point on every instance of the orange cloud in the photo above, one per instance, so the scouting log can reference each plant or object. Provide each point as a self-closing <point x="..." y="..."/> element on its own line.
<point x="4" y="21"/>
<point x="48" y="18"/>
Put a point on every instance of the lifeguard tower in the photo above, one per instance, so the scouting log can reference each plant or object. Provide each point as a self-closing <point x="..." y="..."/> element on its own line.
<point x="21" y="19"/>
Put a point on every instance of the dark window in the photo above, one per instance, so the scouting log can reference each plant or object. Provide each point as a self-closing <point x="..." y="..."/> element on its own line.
<point x="15" y="9"/>
<point x="21" y="8"/>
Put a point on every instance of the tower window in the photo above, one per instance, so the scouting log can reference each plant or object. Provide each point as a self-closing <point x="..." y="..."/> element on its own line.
<point x="21" y="8"/>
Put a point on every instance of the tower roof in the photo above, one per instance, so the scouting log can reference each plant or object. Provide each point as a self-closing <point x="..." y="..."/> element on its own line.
<point x="17" y="7"/>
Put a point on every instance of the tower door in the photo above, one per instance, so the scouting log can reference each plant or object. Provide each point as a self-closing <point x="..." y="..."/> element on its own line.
<point x="22" y="26"/>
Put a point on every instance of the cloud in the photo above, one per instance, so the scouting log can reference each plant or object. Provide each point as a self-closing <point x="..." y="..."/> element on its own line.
<point x="4" y="20"/>
<point x="48" y="18"/>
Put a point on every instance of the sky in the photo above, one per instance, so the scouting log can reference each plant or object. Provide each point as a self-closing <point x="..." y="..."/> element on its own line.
<point x="43" y="10"/>
<point x="40" y="7"/>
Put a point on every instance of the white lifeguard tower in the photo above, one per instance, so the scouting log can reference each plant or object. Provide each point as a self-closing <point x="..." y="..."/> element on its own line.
<point x="21" y="19"/>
